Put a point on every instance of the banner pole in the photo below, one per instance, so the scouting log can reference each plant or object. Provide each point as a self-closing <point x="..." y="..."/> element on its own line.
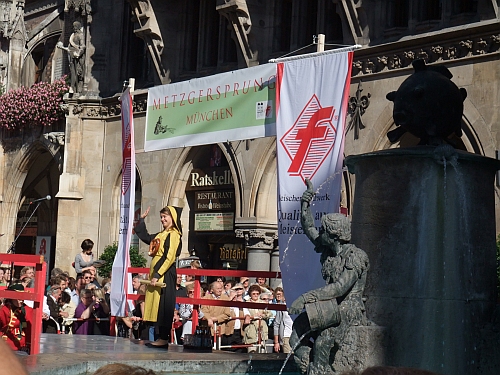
<point x="316" y="54"/>
<point x="321" y="43"/>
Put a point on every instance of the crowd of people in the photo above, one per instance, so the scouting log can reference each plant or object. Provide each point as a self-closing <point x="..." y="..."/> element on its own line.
<point x="245" y="328"/>
<point x="81" y="305"/>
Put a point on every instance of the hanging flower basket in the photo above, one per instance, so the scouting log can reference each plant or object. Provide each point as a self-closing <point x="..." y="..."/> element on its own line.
<point x="38" y="105"/>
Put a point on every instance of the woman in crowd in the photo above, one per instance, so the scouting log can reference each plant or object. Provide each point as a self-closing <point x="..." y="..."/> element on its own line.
<point x="228" y="284"/>
<point x="255" y="319"/>
<point x="101" y="310"/>
<point x="194" y="265"/>
<point x="15" y="321"/>
<point x="66" y="311"/>
<point x="86" y="310"/>
<point x="85" y="259"/>
<point x="186" y="313"/>
<point x="164" y="248"/>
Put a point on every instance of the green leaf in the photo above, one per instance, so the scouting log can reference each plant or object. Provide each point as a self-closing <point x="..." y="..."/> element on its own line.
<point x="108" y="255"/>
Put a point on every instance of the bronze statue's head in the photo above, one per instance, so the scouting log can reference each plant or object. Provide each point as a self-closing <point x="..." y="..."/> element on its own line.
<point x="336" y="226"/>
<point x="77" y="26"/>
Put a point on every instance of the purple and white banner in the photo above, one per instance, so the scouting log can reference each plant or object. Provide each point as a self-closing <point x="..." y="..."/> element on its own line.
<point x="311" y="101"/>
<point x="122" y="280"/>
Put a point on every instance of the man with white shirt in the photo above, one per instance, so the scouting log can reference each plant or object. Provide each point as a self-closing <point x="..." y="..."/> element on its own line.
<point x="282" y="325"/>
<point x="50" y="325"/>
<point x="234" y="334"/>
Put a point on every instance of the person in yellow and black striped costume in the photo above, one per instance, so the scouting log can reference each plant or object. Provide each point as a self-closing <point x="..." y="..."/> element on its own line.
<point x="160" y="302"/>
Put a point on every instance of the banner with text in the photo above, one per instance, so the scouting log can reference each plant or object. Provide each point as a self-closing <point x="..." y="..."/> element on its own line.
<point x="312" y="106"/>
<point x="224" y="107"/>
<point x="122" y="280"/>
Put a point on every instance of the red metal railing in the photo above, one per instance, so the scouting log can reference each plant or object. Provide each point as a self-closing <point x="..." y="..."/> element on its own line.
<point x="197" y="301"/>
<point x="33" y="294"/>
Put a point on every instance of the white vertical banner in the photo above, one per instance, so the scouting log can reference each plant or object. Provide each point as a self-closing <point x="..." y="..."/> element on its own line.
<point x="312" y="96"/>
<point x="121" y="280"/>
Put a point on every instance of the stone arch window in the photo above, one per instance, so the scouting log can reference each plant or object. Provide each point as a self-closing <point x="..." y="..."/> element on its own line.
<point x="397" y="13"/>
<point x="463" y="11"/>
<point x="282" y="25"/>
<point x="430" y="10"/>
<point x="209" y="33"/>
<point x="138" y="64"/>
<point x="38" y="64"/>
<point x="209" y="46"/>
<point x="330" y="23"/>
<point x="464" y="6"/>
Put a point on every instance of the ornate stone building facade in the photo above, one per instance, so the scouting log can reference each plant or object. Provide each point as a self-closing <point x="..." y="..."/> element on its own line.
<point x="160" y="42"/>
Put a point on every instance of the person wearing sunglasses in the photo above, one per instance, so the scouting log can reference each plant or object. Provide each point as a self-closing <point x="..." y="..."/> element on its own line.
<point x="255" y="319"/>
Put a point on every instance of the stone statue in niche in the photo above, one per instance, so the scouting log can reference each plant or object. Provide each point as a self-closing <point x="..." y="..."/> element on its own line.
<point x="332" y="310"/>
<point x="80" y="6"/>
<point x="428" y="105"/>
<point x="76" y="55"/>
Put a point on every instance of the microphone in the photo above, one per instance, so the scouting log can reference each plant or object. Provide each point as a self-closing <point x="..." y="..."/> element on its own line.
<point x="48" y="197"/>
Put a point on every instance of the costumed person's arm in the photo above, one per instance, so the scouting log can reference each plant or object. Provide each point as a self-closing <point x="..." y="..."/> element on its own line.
<point x="140" y="229"/>
<point x="306" y="217"/>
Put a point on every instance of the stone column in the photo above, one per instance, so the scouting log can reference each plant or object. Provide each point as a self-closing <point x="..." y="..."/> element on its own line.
<point x="259" y="244"/>
<point x="426" y="218"/>
<point x="275" y="267"/>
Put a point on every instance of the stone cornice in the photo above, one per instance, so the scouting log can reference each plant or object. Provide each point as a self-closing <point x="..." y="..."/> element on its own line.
<point x="106" y="108"/>
<point x="473" y="41"/>
<point x="41" y="8"/>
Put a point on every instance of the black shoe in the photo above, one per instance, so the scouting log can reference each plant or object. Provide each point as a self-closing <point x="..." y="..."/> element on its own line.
<point x="158" y="344"/>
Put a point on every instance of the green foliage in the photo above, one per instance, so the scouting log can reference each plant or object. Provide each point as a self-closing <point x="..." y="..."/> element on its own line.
<point x="108" y="255"/>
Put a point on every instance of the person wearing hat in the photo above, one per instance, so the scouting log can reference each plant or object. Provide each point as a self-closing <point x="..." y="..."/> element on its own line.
<point x="255" y="319"/>
<point x="164" y="248"/>
<point x="15" y="321"/>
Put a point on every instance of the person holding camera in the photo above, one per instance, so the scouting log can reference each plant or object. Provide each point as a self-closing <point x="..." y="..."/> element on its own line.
<point x="87" y="310"/>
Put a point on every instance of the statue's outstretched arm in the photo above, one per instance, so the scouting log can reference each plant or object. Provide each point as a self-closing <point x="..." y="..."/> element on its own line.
<point x="338" y="288"/>
<point x="306" y="217"/>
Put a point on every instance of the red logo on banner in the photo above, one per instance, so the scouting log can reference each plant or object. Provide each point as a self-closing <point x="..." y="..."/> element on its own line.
<point x="311" y="138"/>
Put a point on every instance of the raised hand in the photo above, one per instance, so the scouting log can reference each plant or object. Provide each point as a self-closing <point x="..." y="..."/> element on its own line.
<point x="308" y="195"/>
<point x="143" y="216"/>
